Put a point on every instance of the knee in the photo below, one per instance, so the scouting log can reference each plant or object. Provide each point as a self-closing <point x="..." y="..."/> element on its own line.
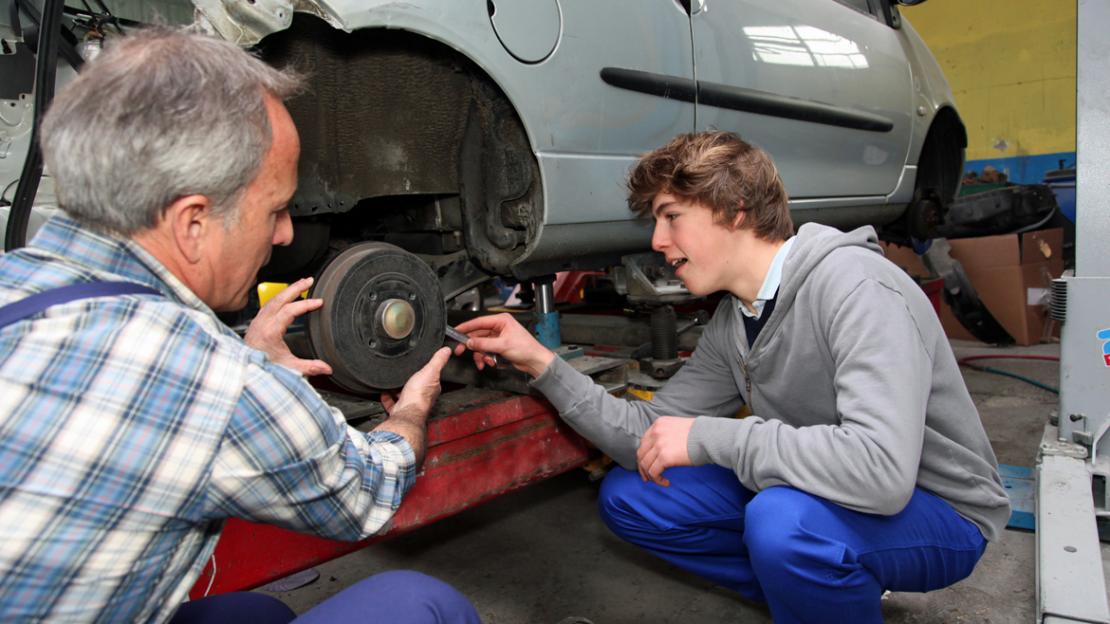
<point x="234" y="607"/>
<point x="772" y="524"/>
<point x="409" y="581"/>
<point x="620" y="501"/>
<point x="423" y="594"/>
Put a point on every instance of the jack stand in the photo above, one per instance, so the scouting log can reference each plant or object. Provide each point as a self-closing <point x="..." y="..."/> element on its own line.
<point x="547" y="319"/>
<point x="664" y="361"/>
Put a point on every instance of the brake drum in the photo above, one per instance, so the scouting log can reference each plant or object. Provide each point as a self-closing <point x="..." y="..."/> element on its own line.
<point x="383" y="317"/>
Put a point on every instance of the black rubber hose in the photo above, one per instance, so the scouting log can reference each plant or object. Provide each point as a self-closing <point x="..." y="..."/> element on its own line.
<point x="46" y="67"/>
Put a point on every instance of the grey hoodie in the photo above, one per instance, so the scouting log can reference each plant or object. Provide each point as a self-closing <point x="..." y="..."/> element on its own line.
<point x="856" y="394"/>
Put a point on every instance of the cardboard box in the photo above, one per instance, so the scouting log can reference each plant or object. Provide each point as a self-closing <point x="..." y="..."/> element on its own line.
<point x="1012" y="273"/>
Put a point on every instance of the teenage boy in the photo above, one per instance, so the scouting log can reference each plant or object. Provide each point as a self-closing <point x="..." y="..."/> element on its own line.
<point x="865" y="466"/>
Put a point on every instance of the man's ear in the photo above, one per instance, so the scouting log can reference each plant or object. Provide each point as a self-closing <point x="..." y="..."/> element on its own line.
<point x="191" y="220"/>
<point x="738" y="220"/>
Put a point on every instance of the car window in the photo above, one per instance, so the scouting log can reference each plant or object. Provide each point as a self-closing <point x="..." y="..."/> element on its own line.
<point x="859" y="5"/>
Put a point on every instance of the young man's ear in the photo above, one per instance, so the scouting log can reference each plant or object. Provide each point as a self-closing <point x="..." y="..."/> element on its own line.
<point x="738" y="220"/>
<point x="190" y="220"/>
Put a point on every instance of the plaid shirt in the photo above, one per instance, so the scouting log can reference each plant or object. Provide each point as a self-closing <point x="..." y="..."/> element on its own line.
<point x="132" y="426"/>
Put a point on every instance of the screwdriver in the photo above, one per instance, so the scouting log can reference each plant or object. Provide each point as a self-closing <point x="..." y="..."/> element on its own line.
<point x="461" y="338"/>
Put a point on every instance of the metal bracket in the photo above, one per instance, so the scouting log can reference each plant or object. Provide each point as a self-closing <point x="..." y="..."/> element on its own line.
<point x="457" y="274"/>
<point x="15" y="124"/>
<point x="1052" y="444"/>
<point x="646" y="278"/>
<point x="243" y="23"/>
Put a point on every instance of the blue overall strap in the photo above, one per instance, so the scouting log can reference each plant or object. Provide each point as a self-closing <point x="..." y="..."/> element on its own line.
<point x="29" y="306"/>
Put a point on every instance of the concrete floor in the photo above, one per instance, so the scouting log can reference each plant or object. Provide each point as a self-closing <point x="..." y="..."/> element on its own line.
<point x="541" y="554"/>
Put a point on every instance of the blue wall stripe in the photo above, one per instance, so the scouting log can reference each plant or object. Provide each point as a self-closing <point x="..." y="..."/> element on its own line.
<point x="1024" y="169"/>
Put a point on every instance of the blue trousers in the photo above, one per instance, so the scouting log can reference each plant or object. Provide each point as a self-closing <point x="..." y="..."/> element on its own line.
<point x="400" y="597"/>
<point x="809" y="559"/>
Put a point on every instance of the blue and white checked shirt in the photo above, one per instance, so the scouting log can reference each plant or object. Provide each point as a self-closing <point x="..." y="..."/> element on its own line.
<point x="132" y="426"/>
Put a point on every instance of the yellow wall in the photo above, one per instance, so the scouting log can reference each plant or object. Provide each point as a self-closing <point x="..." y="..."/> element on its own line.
<point x="1011" y="66"/>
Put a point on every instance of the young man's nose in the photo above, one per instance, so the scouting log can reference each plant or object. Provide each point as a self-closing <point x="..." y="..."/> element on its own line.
<point x="660" y="240"/>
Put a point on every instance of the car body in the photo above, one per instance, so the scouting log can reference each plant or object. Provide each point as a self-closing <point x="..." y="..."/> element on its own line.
<point x="505" y="129"/>
<point x="494" y="137"/>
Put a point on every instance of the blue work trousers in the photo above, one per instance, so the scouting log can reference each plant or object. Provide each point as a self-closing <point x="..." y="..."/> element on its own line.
<point x="399" y="597"/>
<point x="809" y="559"/>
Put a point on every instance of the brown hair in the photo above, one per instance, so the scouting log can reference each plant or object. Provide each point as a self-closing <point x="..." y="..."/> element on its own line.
<point x="718" y="170"/>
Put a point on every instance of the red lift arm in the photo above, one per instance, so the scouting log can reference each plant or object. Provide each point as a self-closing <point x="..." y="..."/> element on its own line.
<point x="482" y="444"/>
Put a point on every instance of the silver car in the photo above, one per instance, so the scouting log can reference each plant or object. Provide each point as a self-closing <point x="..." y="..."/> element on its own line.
<point x="493" y="137"/>
<point x="505" y="128"/>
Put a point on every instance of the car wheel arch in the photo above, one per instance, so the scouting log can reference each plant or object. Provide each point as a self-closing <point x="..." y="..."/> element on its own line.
<point x="361" y="141"/>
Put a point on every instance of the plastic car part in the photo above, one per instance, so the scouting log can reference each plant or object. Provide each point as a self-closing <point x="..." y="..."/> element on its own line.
<point x="383" y="317"/>
<point x="962" y="297"/>
<point x="1000" y="211"/>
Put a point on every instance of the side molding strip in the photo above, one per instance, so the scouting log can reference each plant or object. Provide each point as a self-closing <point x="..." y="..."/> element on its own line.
<point x="746" y="100"/>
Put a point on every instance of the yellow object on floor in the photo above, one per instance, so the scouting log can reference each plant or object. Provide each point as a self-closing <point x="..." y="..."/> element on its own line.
<point x="646" y="395"/>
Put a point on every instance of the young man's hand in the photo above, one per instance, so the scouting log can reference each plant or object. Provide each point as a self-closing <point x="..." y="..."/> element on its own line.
<point x="408" y="411"/>
<point x="502" y="335"/>
<point x="267" y="330"/>
<point x="662" y="446"/>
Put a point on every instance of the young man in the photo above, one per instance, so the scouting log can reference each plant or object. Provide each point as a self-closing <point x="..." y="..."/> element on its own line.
<point x="132" y="422"/>
<point x="865" y="466"/>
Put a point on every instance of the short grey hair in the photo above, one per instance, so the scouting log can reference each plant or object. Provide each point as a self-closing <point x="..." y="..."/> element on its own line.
<point x="159" y="115"/>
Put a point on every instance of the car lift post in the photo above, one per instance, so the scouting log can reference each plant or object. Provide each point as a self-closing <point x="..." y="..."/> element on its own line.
<point x="547" y="318"/>
<point x="1072" y="465"/>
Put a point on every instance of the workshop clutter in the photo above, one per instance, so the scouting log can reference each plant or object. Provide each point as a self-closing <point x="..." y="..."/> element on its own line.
<point x="1012" y="275"/>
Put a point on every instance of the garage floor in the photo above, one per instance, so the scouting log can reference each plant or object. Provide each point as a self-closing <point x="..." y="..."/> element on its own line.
<point x="541" y="554"/>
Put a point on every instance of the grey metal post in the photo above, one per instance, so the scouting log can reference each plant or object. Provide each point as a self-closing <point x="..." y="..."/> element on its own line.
<point x="1092" y="192"/>
<point x="1070" y="575"/>
<point x="1083" y="372"/>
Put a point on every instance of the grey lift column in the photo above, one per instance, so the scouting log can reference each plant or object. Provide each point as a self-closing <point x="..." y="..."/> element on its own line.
<point x="1073" y="465"/>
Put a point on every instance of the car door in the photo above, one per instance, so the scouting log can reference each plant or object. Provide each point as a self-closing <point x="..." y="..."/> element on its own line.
<point x="823" y="85"/>
<point x="619" y="84"/>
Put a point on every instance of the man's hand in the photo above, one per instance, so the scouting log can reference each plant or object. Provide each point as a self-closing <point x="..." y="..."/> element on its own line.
<point x="408" y="411"/>
<point x="663" y="446"/>
<point x="500" y="334"/>
<point x="267" y="331"/>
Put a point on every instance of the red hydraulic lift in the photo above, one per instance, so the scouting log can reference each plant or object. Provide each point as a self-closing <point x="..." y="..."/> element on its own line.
<point x="481" y="444"/>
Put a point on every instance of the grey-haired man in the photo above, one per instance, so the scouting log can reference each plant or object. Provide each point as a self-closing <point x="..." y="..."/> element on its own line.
<point x="132" y="422"/>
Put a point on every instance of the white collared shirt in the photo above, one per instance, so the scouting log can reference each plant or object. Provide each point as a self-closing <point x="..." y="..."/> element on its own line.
<point x="770" y="283"/>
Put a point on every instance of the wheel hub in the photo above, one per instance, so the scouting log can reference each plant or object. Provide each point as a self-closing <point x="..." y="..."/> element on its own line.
<point x="383" y="316"/>
<point x="397" y="318"/>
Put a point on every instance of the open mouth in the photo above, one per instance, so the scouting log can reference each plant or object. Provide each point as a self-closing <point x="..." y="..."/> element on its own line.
<point x="677" y="262"/>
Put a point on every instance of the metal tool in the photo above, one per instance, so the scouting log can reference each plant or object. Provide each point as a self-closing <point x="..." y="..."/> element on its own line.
<point x="461" y="338"/>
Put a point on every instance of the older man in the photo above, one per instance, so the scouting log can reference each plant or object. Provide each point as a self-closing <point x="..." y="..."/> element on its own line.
<point x="132" y="422"/>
